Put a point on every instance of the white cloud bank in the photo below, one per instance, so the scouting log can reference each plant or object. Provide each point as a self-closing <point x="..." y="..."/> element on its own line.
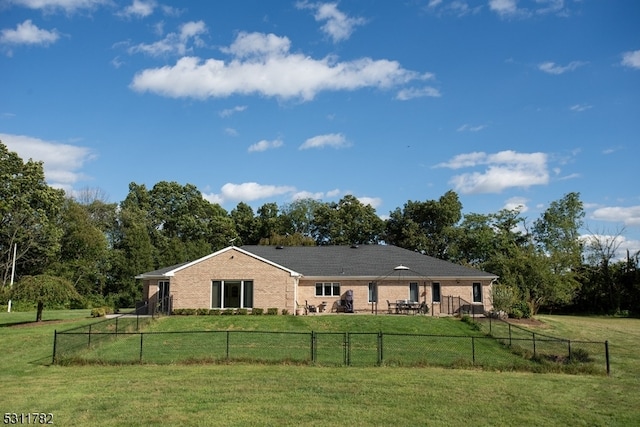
<point x="505" y="169"/>
<point x="62" y="163"/>
<point x="629" y="216"/>
<point x="265" y="145"/>
<point x="28" y="34"/>
<point x="631" y="59"/>
<point x="178" y="43"/>
<point x="334" y="140"/>
<point x="263" y="64"/>
<point x="337" y="24"/>
<point x="553" y="68"/>
<point x="68" y="6"/>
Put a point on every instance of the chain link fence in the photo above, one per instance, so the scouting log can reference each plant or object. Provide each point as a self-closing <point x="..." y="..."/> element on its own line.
<point x="543" y="347"/>
<point x="498" y="345"/>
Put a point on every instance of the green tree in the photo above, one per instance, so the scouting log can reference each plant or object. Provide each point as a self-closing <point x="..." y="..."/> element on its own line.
<point x="347" y="222"/>
<point x="245" y="224"/>
<point x="44" y="291"/>
<point x="29" y="211"/>
<point x="83" y="257"/>
<point x="426" y="226"/>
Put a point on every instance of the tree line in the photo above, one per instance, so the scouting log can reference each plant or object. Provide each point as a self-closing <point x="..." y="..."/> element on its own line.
<point x="90" y="250"/>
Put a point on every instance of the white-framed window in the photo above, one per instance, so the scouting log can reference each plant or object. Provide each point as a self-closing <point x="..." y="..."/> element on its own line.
<point x="327" y="289"/>
<point x="373" y="292"/>
<point x="232" y="294"/>
<point x="414" y="293"/>
<point x="435" y="292"/>
<point x="477" y="292"/>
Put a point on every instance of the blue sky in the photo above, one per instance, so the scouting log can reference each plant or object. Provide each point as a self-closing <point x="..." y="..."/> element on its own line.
<point x="507" y="102"/>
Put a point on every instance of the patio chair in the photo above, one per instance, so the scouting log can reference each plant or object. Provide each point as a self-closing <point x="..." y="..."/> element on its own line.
<point x="309" y="308"/>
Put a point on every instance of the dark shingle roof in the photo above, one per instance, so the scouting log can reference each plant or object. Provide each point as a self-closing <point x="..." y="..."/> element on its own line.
<point x="364" y="261"/>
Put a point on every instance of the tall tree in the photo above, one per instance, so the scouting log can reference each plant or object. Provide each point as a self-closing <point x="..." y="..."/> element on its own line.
<point x="83" y="257"/>
<point x="29" y="211"/>
<point x="426" y="226"/>
<point x="44" y="291"/>
<point x="347" y="222"/>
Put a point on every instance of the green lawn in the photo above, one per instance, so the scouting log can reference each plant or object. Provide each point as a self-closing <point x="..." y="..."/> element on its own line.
<point x="246" y="394"/>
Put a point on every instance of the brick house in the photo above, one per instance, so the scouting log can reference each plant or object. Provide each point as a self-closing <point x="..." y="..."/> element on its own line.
<point x="368" y="278"/>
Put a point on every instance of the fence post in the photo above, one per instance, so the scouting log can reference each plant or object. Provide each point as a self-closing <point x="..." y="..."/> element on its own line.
<point x="606" y="355"/>
<point x="141" y="338"/>
<point x="380" y="348"/>
<point x="473" y="350"/>
<point x="227" y="345"/>
<point x="116" y="326"/>
<point x="314" y="354"/>
<point x="490" y="325"/>
<point x="55" y="342"/>
<point x="89" y="340"/>
<point x="569" y="348"/>
<point x="534" y="344"/>
<point x="509" y="334"/>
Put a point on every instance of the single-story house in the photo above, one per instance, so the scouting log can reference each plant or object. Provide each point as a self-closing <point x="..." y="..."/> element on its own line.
<point x="372" y="277"/>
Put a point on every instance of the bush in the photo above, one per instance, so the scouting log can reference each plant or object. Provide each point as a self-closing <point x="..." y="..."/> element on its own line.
<point x="520" y="310"/>
<point x="257" y="311"/>
<point x="227" y="312"/>
<point x="285" y="311"/>
<point x="214" y="312"/>
<point x="202" y="311"/>
<point x="272" y="311"/>
<point x="101" y="311"/>
<point x="242" y="311"/>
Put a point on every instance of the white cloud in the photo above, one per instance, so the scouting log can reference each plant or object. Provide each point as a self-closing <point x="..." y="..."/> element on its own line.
<point x="627" y="215"/>
<point x="553" y="68"/>
<point x="516" y="203"/>
<point x="505" y="169"/>
<point x="510" y="9"/>
<point x="469" y="128"/>
<point x="335" y="140"/>
<point x="411" y="93"/>
<point x="262" y="64"/>
<point x="174" y="43"/>
<point x="230" y="111"/>
<point x="504" y="7"/>
<point x="337" y="24"/>
<point x="319" y="195"/>
<point x="247" y="192"/>
<point x="631" y="59"/>
<point x="29" y="34"/>
<point x="61" y="162"/>
<point x="456" y="7"/>
<point x="67" y="6"/>
<point x="139" y="9"/>
<point x="265" y="145"/>
<point x="579" y="108"/>
<point x="231" y="131"/>
<point x="375" y="202"/>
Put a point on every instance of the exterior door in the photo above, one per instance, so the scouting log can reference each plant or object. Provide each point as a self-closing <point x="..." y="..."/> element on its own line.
<point x="163" y="297"/>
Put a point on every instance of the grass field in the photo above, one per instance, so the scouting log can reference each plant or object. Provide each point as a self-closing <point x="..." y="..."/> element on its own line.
<point x="244" y="394"/>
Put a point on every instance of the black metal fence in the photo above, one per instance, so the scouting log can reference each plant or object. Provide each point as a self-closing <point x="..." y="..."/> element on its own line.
<point x="121" y="340"/>
<point x="539" y="346"/>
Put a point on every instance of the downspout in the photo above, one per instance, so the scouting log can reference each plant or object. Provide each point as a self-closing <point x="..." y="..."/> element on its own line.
<point x="296" y="280"/>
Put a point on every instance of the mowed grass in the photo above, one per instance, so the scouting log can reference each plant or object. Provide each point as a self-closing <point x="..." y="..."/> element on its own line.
<point x="253" y="394"/>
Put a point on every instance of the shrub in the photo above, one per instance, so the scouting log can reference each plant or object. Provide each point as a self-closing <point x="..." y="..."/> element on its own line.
<point x="272" y="311"/>
<point x="202" y="311"/>
<point x="520" y="310"/>
<point x="227" y="312"/>
<point x="285" y="311"/>
<point x="242" y="311"/>
<point x="98" y="312"/>
<point x="581" y="355"/>
<point x="214" y="312"/>
<point x="257" y="311"/>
